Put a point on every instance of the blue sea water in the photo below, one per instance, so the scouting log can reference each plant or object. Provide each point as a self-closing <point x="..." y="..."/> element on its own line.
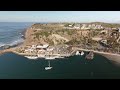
<point x="11" y="32"/>
<point x="14" y="66"/>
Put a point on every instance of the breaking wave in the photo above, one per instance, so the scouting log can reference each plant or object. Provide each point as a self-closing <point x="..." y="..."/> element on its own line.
<point x="14" y="43"/>
<point x="2" y="44"/>
<point x="12" y="34"/>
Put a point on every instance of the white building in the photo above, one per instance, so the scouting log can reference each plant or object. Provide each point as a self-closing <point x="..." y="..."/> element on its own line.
<point x="83" y="26"/>
<point x="28" y="50"/>
<point x="50" y="49"/>
<point x="118" y="29"/>
<point x="70" y="25"/>
<point x="42" y="46"/>
<point x="33" y="47"/>
<point x="76" y="27"/>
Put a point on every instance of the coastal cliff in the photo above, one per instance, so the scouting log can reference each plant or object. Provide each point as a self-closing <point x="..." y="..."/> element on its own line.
<point x="52" y="34"/>
<point x="55" y="34"/>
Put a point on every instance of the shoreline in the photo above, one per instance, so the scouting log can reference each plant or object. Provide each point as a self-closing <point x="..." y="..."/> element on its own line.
<point x="17" y="44"/>
<point x="110" y="56"/>
<point x="27" y="32"/>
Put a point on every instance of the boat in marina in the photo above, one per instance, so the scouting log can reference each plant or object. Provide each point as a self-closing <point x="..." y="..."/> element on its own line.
<point x="82" y="53"/>
<point x="53" y="57"/>
<point x="77" y="53"/>
<point x="49" y="67"/>
<point x="49" y="57"/>
<point x="59" y="57"/>
<point x="31" y="57"/>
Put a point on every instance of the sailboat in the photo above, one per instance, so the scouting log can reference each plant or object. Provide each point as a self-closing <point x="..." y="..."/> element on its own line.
<point x="31" y="57"/>
<point x="77" y="53"/>
<point x="47" y="68"/>
<point x="82" y="53"/>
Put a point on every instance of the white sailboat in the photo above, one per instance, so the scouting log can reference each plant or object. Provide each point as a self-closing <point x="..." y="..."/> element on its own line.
<point x="82" y="53"/>
<point x="50" y="58"/>
<point x="47" y="68"/>
<point x="31" y="57"/>
<point x="77" y="53"/>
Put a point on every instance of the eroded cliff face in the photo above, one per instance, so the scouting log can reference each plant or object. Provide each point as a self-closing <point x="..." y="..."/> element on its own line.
<point x="50" y="34"/>
<point x="28" y="37"/>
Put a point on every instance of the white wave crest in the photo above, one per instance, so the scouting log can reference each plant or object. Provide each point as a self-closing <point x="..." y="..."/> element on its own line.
<point x="2" y="44"/>
<point x="16" y="42"/>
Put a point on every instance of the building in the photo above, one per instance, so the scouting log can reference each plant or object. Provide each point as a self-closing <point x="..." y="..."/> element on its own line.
<point x="70" y="25"/>
<point x="76" y="27"/>
<point x="42" y="46"/>
<point x="118" y="29"/>
<point x="83" y="26"/>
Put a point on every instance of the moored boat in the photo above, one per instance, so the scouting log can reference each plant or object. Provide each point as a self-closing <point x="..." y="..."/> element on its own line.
<point x="49" y="57"/>
<point x="77" y="53"/>
<point x="31" y="57"/>
<point x="82" y="53"/>
<point x="49" y="67"/>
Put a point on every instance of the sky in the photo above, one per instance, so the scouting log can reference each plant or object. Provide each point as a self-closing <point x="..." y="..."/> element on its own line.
<point x="60" y="16"/>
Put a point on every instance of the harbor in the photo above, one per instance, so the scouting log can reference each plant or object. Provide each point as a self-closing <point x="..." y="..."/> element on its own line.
<point x="45" y="51"/>
<point x="75" y="67"/>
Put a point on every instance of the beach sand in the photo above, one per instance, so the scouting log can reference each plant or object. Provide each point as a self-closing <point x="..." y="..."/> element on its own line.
<point x="112" y="57"/>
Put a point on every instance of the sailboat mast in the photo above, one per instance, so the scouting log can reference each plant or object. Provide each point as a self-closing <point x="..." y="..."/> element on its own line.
<point x="49" y="63"/>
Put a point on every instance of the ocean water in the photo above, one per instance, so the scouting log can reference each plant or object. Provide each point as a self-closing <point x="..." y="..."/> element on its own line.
<point x="14" y="66"/>
<point x="75" y="67"/>
<point x="11" y="32"/>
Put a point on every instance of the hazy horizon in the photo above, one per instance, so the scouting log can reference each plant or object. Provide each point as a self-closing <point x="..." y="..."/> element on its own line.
<point x="60" y="16"/>
<point x="61" y="22"/>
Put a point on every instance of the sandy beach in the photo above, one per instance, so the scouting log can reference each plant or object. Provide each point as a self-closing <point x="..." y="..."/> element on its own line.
<point x="111" y="56"/>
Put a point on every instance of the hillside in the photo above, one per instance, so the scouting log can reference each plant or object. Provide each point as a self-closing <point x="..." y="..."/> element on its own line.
<point x="52" y="34"/>
<point x="56" y="33"/>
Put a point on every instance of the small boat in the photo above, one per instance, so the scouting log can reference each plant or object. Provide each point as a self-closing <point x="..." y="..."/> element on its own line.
<point x="59" y="57"/>
<point x="82" y="53"/>
<point x="31" y="57"/>
<point x="49" y="57"/>
<point x="41" y="56"/>
<point x="77" y="53"/>
<point x="48" y="68"/>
